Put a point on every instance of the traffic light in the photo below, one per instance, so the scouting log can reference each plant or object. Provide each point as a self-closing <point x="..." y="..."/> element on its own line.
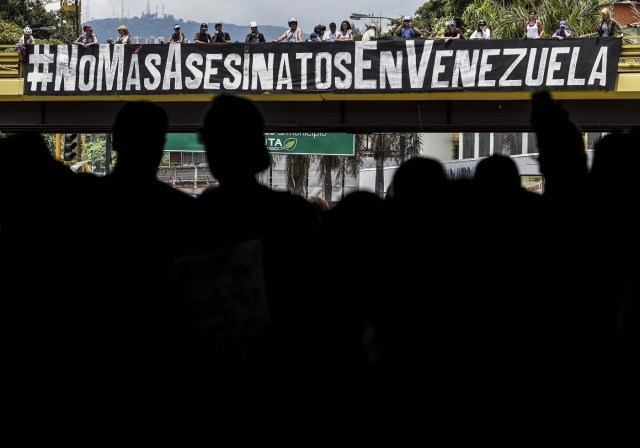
<point x="70" y="144"/>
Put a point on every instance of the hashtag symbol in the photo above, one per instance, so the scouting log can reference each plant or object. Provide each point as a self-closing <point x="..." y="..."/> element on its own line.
<point x="40" y="61"/>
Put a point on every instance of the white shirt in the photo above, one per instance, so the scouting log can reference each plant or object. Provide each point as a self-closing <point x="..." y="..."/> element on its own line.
<point x="341" y="36"/>
<point x="486" y="34"/>
<point x="329" y="36"/>
<point x="368" y="35"/>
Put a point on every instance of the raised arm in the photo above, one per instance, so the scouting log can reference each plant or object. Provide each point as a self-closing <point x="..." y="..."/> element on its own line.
<point x="279" y="39"/>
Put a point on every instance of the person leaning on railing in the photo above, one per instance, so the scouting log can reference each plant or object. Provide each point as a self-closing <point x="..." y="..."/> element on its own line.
<point x="24" y="41"/>
<point x="481" y="32"/>
<point x="563" y="32"/>
<point x="88" y="38"/>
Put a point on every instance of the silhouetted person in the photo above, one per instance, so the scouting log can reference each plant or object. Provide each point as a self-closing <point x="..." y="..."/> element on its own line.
<point x="148" y="221"/>
<point x="355" y="311"/>
<point x="39" y="274"/>
<point x="568" y="299"/>
<point x="614" y="189"/>
<point x="242" y="210"/>
<point x="419" y="178"/>
<point x="563" y="160"/>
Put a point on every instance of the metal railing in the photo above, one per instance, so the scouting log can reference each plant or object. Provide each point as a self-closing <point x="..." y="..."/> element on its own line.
<point x="9" y="61"/>
<point x="629" y="59"/>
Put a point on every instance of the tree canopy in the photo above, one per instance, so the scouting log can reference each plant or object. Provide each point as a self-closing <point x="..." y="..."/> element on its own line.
<point x="17" y="14"/>
<point x="505" y="18"/>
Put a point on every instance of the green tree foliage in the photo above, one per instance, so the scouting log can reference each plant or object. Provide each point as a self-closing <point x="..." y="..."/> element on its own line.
<point x="30" y="13"/>
<point x="506" y="18"/>
<point x="95" y="152"/>
<point x="17" y="14"/>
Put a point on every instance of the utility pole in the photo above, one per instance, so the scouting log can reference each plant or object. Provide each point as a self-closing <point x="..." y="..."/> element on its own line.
<point x="107" y="155"/>
<point x="73" y="11"/>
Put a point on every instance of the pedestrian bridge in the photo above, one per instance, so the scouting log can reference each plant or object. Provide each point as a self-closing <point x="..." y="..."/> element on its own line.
<point x="426" y="86"/>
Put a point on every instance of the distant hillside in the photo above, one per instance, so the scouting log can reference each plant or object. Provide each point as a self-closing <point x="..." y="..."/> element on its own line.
<point x="150" y="26"/>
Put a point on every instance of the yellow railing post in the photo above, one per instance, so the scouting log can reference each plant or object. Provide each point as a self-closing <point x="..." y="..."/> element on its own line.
<point x="59" y="147"/>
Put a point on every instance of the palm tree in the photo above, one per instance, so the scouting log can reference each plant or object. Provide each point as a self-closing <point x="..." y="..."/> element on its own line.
<point x="506" y="19"/>
<point x="399" y="146"/>
<point x="327" y="165"/>
<point x="297" y="173"/>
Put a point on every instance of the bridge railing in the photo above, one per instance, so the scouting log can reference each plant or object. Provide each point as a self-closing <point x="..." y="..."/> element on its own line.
<point x="629" y="59"/>
<point x="8" y="61"/>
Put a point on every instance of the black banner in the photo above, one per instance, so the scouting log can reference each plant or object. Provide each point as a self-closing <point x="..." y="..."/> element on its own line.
<point x="385" y="66"/>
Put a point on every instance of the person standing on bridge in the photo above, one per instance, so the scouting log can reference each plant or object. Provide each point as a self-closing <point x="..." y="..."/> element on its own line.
<point x="533" y="28"/>
<point x="124" y="36"/>
<point x="26" y="40"/>
<point x="607" y="26"/>
<point x="293" y="34"/>
<point x="370" y="34"/>
<point x="220" y="37"/>
<point x="482" y="32"/>
<point x="177" y="37"/>
<point x="203" y="36"/>
<point x="254" y="35"/>
<point x="331" y="35"/>
<point x="562" y="32"/>
<point x="453" y="32"/>
<point x="88" y="38"/>
<point x="407" y="30"/>
<point x="346" y="33"/>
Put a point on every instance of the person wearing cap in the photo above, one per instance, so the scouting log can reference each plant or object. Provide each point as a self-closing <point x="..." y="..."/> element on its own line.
<point x="293" y="34"/>
<point x="407" y="30"/>
<point x="124" y="36"/>
<point x="453" y="32"/>
<point x="88" y="38"/>
<point x="370" y="34"/>
<point x="481" y="32"/>
<point x="562" y="32"/>
<point x="203" y="36"/>
<point x="177" y="37"/>
<point x="319" y="29"/>
<point x="220" y="37"/>
<point x="254" y="35"/>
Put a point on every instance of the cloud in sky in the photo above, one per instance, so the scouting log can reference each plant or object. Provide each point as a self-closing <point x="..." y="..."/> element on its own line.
<point x="265" y="12"/>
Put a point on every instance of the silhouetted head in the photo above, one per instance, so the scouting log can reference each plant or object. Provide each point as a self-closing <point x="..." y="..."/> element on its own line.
<point x="27" y="150"/>
<point x="139" y="133"/>
<point x="234" y="157"/>
<point x="498" y="173"/>
<point x="615" y="160"/>
<point x="418" y="177"/>
<point x="320" y="205"/>
<point x="562" y="159"/>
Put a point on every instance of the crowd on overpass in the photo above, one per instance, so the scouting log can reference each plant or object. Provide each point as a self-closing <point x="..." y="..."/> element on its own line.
<point x="122" y="273"/>
<point x="532" y="29"/>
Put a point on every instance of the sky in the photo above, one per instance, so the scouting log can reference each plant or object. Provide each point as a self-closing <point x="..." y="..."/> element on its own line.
<point x="266" y="12"/>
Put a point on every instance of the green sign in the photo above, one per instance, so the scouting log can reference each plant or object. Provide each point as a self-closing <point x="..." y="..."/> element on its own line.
<point x="301" y="143"/>
<point x="183" y="143"/>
